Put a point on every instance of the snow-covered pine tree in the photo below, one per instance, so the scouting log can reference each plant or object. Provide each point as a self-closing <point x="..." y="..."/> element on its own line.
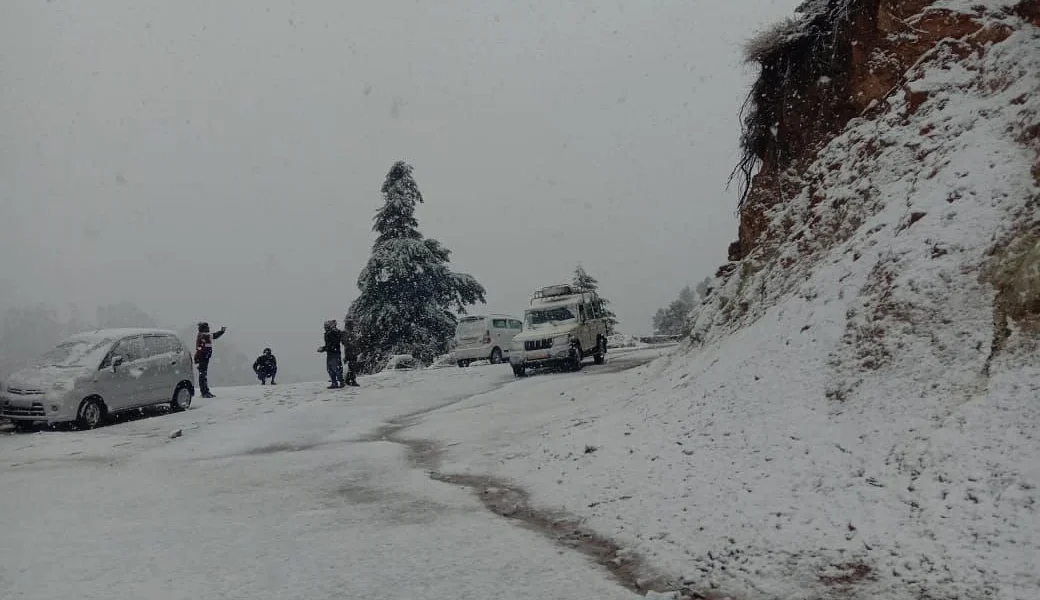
<point x="584" y="281"/>
<point x="408" y="292"/>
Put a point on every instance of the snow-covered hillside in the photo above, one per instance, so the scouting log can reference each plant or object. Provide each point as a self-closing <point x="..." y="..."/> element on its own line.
<point x="859" y="416"/>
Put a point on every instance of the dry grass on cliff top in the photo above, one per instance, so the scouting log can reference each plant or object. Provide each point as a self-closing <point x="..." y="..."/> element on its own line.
<point x="791" y="53"/>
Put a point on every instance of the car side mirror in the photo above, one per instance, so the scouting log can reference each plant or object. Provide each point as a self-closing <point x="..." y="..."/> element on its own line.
<point x="117" y="360"/>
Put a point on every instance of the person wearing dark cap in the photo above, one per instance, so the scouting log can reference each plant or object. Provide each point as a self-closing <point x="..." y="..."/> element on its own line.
<point x="203" y="352"/>
<point x="266" y="367"/>
<point x="333" y="354"/>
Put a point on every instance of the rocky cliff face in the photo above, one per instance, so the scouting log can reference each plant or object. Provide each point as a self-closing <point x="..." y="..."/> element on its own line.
<point x="862" y="104"/>
<point x="846" y="59"/>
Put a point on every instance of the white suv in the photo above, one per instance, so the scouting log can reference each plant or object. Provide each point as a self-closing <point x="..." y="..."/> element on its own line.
<point x="563" y="326"/>
<point x="91" y="375"/>
<point x="480" y="337"/>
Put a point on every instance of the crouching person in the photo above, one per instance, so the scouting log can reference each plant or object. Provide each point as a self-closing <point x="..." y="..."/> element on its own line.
<point x="266" y="367"/>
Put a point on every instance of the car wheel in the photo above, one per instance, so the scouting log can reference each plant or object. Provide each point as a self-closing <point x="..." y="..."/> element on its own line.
<point x="463" y="364"/>
<point x="520" y="370"/>
<point x="181" y="398"/>
<point x="600" y="356"/>
<point x="24" y="426"/>
<point x="91" y="414"/>
<point x="496" y="356"/>
<point x="576" y="356"/>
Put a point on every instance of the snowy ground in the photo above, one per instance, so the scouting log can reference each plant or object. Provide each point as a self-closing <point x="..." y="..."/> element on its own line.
<point x="700" y="462"/>
<point x="271" y="492"/>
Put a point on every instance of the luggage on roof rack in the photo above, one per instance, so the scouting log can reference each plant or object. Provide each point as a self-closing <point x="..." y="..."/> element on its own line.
<point x="563" y="289"/>
<point x="560" y="290"/>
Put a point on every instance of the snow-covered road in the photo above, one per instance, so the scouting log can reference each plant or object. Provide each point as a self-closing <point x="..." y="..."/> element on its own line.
<point x="271" y="493"/>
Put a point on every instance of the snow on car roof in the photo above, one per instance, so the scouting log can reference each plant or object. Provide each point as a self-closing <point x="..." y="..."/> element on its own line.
<point x="113" y="334"/>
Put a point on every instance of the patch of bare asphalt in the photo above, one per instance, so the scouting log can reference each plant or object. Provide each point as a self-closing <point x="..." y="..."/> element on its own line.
<point x="63" y="462"/>
<point x="393" y="508"/>
<point x="512" y="502"/>
<point x="281" y="447"/>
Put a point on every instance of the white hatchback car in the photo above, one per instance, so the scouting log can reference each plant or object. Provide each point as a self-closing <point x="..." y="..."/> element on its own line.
<point x="91" y="375"/>
<point x="480" y="337"/>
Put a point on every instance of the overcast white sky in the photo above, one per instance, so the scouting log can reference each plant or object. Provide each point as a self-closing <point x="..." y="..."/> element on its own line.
<point x="222" y="160"/>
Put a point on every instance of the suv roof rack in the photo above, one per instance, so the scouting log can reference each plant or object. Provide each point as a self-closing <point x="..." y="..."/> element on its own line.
<point x="562" y="289"/>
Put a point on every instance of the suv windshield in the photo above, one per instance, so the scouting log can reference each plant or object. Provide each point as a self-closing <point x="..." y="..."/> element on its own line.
<point x="77" y="353"/>
<point x="543" y="316"/>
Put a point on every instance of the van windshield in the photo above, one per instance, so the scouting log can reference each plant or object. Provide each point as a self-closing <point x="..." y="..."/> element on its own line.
<point x="75" y="353"/>
<point x="470" y="328"/>
<point x="550" y="316"/>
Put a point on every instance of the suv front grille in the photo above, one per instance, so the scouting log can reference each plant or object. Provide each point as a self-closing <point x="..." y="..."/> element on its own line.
<point x="538" y="344"/>
<point x="24" y="391"/>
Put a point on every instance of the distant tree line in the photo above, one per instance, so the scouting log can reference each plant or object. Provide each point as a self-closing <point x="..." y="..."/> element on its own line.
<point x="672" y="320"/>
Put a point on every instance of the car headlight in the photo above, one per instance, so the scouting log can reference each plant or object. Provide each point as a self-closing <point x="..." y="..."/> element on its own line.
<point x="60" y="386"/>
<point x="561" y="340"/>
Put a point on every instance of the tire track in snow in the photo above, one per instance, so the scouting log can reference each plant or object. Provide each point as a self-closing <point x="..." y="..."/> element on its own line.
<point x="512" y="502"/>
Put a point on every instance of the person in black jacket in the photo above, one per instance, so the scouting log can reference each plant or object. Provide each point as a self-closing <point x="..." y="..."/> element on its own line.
<point x="203" y="352"/>
<point x="266" y="367"/>
<point x="333" y="354"/>
<point x="350" y="351"/>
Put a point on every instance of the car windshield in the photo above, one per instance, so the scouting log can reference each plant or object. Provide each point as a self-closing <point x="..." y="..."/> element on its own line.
<point x="548" y="316"/>
<point x="74" y="353"/>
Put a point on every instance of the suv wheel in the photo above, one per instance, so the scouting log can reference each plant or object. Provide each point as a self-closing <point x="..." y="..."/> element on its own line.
<point x="576" y="356"/>
<point x="496" y="356"/>
<point x="601" y="351"/>
<point x="520" y="370"/>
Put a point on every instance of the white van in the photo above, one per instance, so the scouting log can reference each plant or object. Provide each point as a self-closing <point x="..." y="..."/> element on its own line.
<point x="485" y="337"/>
<point x="91" y="375"/>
